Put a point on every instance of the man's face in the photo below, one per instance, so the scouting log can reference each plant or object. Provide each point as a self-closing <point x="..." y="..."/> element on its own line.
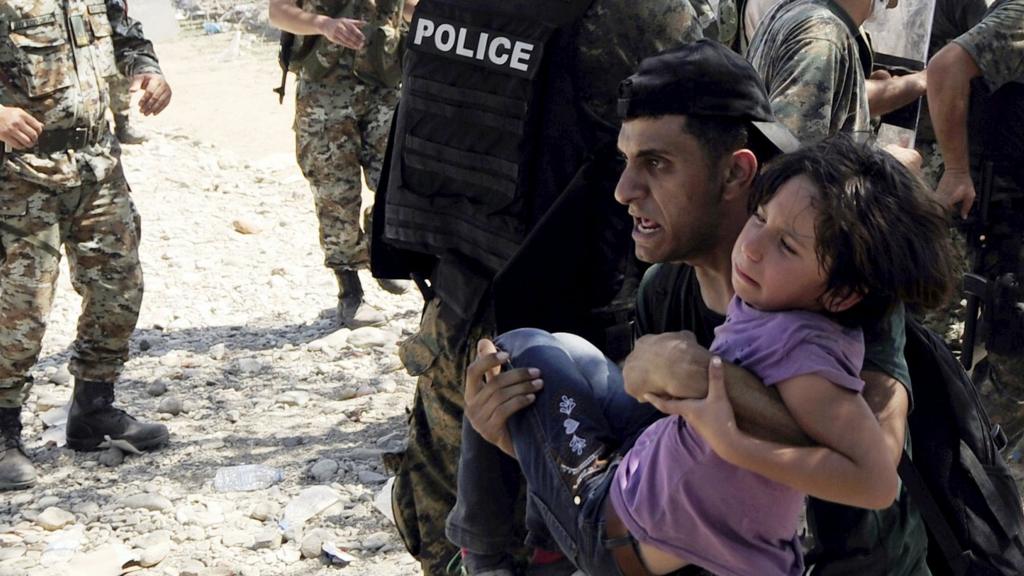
<point x="671" y="193"/>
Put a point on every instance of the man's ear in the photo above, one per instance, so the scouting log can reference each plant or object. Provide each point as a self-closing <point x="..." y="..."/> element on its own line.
<point x="740" y="170"/>
<point x="835" y="302"/>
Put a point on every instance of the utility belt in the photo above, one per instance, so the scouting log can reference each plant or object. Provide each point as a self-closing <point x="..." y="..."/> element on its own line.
<point x="60" y="139"/>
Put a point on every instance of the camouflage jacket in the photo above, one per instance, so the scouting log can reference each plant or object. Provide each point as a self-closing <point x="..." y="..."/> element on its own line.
<point x="616" y="34"/>
<point x="809" y="54"/>
<point x="55" y="58"/>
<point x="997" y="44"/>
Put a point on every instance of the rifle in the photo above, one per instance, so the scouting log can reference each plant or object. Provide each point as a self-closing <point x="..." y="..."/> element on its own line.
<point x="284" y="58"/>
<point x="996" y="298"/>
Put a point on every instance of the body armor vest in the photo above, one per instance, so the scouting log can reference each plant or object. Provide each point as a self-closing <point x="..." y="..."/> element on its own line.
<point x="488" y="133"/>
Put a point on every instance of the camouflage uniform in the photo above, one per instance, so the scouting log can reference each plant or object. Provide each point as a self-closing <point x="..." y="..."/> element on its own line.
<point x="614" y="35"/>
<point x="996" y="44"/>
<point x="341" y="128"/>
<point x="120" y="97"/>
<point x="60" y="195"/>
<point x="809" y="53"/>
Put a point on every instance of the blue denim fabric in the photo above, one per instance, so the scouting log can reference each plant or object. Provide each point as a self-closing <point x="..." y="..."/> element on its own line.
<point x="566" y="443"/>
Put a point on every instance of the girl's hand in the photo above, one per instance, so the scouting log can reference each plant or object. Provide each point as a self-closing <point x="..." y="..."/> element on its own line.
<point x="712" y="416"/>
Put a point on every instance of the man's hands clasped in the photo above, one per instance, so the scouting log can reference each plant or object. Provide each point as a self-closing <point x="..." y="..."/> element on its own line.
<point x="493" y="396"/>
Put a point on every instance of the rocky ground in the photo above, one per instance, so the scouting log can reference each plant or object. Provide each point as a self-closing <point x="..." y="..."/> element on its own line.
<point x="235" y="352"/>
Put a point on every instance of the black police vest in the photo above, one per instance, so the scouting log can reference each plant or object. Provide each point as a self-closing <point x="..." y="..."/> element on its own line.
<point x="488" y="133"/>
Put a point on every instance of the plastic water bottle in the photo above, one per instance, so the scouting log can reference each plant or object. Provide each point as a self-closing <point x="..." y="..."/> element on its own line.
<point x="246" y="477"/>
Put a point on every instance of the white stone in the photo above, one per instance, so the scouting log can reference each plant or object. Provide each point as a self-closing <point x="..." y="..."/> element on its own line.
<point x="217" y="351"/>
<point x="54" y="518"/>
<point x="293" y="398"/>
<point x="154" y="502"/>
<point x="370" y="337"/>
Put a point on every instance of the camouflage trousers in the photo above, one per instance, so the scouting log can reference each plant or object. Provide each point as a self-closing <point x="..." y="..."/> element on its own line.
<point x="341" y="129"/>
<point x="99" y="228"/>
<point x="120" y="98"/>
<point x="425" y="484"/>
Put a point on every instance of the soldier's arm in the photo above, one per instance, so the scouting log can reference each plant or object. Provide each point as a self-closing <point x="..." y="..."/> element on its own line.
<point x="949" y="91"/>
<point x="288" y="16"/>
<point x="803" y="84"/>
<point x="133" y="52"/>
<point x="889" y="93"/>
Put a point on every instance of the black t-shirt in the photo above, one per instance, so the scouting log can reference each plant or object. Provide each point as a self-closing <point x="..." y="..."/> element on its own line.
<point x="845" y="541"/>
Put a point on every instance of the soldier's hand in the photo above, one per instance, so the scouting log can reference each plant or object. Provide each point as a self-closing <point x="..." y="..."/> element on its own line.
<point x="344" y="31"/>
<point x="493" y="396"/>
<point x="956" y="188"/>
<point x="19" y="129"/>
<point x="156" y="92"/>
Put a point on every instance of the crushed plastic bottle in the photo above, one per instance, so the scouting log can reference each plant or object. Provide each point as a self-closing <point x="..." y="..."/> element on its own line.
<point x="246" y="477"/>
<point x="307" y="504"/>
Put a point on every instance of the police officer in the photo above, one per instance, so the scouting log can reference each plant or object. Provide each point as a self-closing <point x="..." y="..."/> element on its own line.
<point x="341" y="128"/>
<point x="502" y="104"/>
<point x="977" y="80"/>
<point x="62" y="185"/>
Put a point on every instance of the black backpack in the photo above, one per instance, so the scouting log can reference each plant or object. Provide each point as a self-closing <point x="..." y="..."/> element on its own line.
<point x="957" y="478"/>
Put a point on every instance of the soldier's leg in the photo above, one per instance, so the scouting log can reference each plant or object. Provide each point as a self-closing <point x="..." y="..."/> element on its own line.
<point x="424" y="490"/>
<point x="327" y="141"/>
<point x="120" y="106"/>
<point x="102" y="244"/>
<point x="377" y="108"/>
<point x="29" y="263"/>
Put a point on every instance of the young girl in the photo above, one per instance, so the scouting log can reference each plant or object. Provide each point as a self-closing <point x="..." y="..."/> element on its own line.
<point x="838" y="234"/>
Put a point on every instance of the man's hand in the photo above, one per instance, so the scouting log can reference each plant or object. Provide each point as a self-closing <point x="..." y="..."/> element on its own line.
<point x="669" y="364"/>
<point x="956" y="187"/>
<point x="712" y="417"/>
<point x="493" y="396"/>
<point x="19" y="129"/>
<point x="156" y="92"/>
<point x="344" y="31"/>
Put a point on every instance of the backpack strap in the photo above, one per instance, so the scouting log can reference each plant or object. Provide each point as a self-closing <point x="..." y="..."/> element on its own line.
<point x="958" y="559"/>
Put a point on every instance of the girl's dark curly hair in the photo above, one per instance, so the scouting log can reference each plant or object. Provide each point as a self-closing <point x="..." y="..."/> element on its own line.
<point x="879" y="232"/>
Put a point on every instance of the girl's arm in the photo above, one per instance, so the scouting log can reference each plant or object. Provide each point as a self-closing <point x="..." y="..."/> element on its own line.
<point x="850" y="467"/>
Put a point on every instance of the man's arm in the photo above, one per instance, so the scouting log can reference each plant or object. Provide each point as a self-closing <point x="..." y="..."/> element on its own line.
<point x="137" y="60"/>
<point x="949" y="92"/>
<point x="286" y="15"/>
<point x="846" y="467"/>
<point x="888" y="399"/>
<point x="802" y="87"/>
<point x="674" y="364"/>
<point x="132" y="51"/>
<point x="887" y="93"/>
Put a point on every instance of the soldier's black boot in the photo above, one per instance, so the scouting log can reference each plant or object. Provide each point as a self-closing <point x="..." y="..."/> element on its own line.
<point x="16" y="470"/>
<point x="125" y="132"/>
<point x="353" y="312"/>
<point x="92" y="416"/>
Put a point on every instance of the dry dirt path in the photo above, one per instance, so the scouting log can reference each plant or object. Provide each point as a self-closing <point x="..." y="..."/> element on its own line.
<point x="234" y="352"/>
